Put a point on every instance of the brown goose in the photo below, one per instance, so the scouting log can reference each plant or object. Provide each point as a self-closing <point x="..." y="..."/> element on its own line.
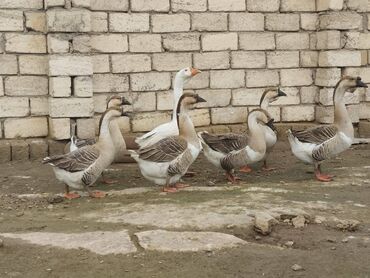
<point x="82" y="167"/>
<point x="316" y="144"/>
<point x="166" y="161"/>
<point x="233" y="151"/>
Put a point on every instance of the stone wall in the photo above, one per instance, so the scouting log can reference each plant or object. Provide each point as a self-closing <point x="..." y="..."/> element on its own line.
<point x="61" y="59"/>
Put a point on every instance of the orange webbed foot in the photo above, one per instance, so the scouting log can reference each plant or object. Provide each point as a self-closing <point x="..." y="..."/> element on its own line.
<point x="169" y="189"/>
<point x="181" y="185"/>
<point x="71" y="195"/>
<point x="245" y="169"/>
<point x="97" y="194"/>
<point x="109" y="181"/>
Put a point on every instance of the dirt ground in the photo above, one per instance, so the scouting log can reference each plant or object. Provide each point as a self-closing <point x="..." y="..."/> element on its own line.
<point x="323" y="248"/>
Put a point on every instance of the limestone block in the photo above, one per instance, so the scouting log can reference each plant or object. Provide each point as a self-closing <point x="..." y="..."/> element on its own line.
<point x="73" y="20"/>
<point x="248" y="59"/>
<point x="309" y="94"/>
<point x="8" y="64"/>
<point x="124" y="22"/>
<point x="83" y="86"/>
<point x="200" y="81"/>
<point x="200" y="117"/>
<point x="262" y="78"/>
<point x="217" y="42"/>
<point x="81" y="3"/>
<point x="309" y="21"/>
<point x="39" y="106"/>
<point x="21" y="4"/>
<point x="298" y="5"/>
<point x="111" y="5"/>
<point x="296" y="77"/>
<point x="209" y="21"/>
<point x="100" y="63"/>
<point x="263" y="6"/>
<point x="99" y="22"/>
<point x="181" y="42"/>
<point x="227" y="79"/>
<point x="226" y="5"/>
<point x="58" y="44"/>
<point x="325" y="114"/>
<point x="60" y="86"/>
<point x="229" y="115"/>
<point x="33" y="64"/>
<point x="357" y="40"/>
<point x="324" y="5"/>
<point x="131" y="63"/>
<point x="109" y="43"/>
<point x="359" y="5"/>
<point x="364" y="114"/>
<point x="81" y="44"/>
<point x="141" y="101"/>
<point x="54" y="3"/>
<point x="291" y="98"/>
<point x="327" y="77"/>
<point x="166" y="23"/>
<point x="339" y="58"/>
<point x="150" y="5"/>
<point x="14" y="107"/>
<point x="151" y="81"/>
<point x="20" y="150"/>
<point x="341" y="20"/>
<point x="282" y="22"/>
<point x="26" y="85"/>
<point x="211" y="60"/>
<point x="246" y="22"/>
<point x="60" y="129"/>
<point x="364" y="73"/>
<point x="298" y="113"/>
<point x="26" y="127"/>
<point x="71" y="107"/>
<point x="171" y="61"/>
<point x="189" y="5"/>
<point x="56" y="147"/>
<point x="85" y="128"/>
<point x="145" y="43"/>
<point x="70" y="65"/>
<point x="326" y="97"/>
<point x="25" y="43"/>
<point x="257" y="41"/>
<point x="283" y="59"/>
<point x="104" y="83"/>
<point x="328" y="39"/>
<point x="292" y="41"/>
<point x="309" y="58"/>
<point x="1" y="87"/>
<point x="11" y="20"/>
<point x="38" y="148"/>
<point x="247" y="97"/>
<point x="214" y="98"/>
<point x="100" y="103"/>
<point x="147" y="121"/>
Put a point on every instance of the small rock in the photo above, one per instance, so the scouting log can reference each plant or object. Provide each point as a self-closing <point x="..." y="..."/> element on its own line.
<point x="319" y="219"/>
<point x="299" y="221"/>
<point x="286" y="221"/>
<point x="49" y="269"/>
<point x="345" y="240"/>
<point x="297" y="267"/>
<point x="257" y="237"/>
<point x="50" y="206"/>
<point x="333" y="240"/>
<point x="333" y="248"/>
<point x="19" y="214"/>
<point x="55" y="199"/>
<point x="230" y="226"/>
<point x="348" y="225"/>
<point x="289" y="243"/>
<point x="287" y="216"/>
<point x="263" y="223"/>
<point x="85" y="227"/>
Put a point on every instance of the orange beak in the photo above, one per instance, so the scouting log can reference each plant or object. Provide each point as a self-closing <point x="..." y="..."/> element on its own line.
<point x="194" y="71"/>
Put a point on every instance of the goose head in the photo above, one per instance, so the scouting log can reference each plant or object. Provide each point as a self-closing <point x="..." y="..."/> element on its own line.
<point x="116" y="100"/>
<point x="187" y="73"/>
<point x="350" y="84"/>
<point x="271" y="94"/>
<point x="187" y="101"/>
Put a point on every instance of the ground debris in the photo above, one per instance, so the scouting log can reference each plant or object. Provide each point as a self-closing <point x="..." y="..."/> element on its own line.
<point x="1" y="243"/>
<point x="55" y="199"/>
<point x="350" y="225"/>
<point x="263" y="223"/>
<point x="299" y="221"/>
<point x="289" y="243"/>
<point x="297" y="267"/>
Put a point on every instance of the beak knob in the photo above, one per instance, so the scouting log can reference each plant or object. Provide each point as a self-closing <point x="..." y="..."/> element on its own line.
<point x="194" y="71"/>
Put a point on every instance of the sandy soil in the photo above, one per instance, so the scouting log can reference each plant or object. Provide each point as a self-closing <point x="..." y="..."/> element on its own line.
<point x="322" y="250"/>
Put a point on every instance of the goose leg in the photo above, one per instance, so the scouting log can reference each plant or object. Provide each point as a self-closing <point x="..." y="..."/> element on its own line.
<point x="70" y="195"/>
<point x="168" y="188"/>
<point x="232" y="178"/>
<point x="265" y="167"/>
<point x="245" y="169"/>
<point x="107" y="180"/>
<point x="320" y="176"/>
<point x="95" y="194"/>
<point x="326" y="175"/>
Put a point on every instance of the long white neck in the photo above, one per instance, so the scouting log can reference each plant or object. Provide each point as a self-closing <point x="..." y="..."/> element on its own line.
<point x="341" y="116"/>
<point x="265" y="103"/>
<point x="186" y="127"/>
<point x="257" y="139"/>
<point x="178" y="89"/>
<point x="104" y="134"/>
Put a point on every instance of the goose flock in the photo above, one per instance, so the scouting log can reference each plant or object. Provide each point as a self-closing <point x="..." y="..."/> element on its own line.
<point x="166" y="153"/>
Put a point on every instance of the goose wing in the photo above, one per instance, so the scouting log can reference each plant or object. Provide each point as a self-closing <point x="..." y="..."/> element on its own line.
<point x="165" y="150"/>
<point x="75" y="161"/>
<point x="225" y="143"/>
<point x="84" y="142"/>
<point x="316" y="135"/>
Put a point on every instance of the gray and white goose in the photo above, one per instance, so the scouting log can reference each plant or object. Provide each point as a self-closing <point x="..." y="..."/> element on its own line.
<point x="81" y="168"/>
<point x="166" y="161"/>
<point x="317" y="144"/>
<point x="233" y="151"/>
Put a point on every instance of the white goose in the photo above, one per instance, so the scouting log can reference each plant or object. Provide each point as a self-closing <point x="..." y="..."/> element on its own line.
<point x="316" y="144"/>
<point x="81" y="168"/>
<point x="232" y="151"/>
<point x="170" y="128"/>
<point x="166" y="161"/>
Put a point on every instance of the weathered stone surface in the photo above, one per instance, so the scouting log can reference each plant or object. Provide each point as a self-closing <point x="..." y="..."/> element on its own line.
<point x="124" y="23"/>
<point x="292" y="41"/>
<point x="25" y="43"/>
<point x="54" y="3"/>
<point x="83" y="86"/>
<point x="262" y="78"/>
<point x="131" y="63"/>
<point x="70" y="65"/>
<point x="339" y="58"/>
<point x="26" y="127"/>
<point x="296" y="77"/>
<point x="181" y="42"/>
<point x="111" y="5"/>
<point x="248" y="59"/>
<point x="282" y="22"/>
<point x="170" y="23"/>
<point x="161" y="240"/>
<point x="102" y="242"/>
<point x="247" y="97"/>
<point x="209" y="21"/>
<point x="104" y="83"/>
<point x="299" y="221"/>
<point x="8" y="64"/>
<point x="171" y="61"/>
<point x="147" y="121"/>
<point x="200" y="81"/>
<point x="38" y="149"/>
<point x="145" y="43"/>
<point x="246" y="22"/>
<point x="60" y="86"/>
<point x="327" y="77"/>
<point x="328" y="39"/>
<point x="74" y="20"/>
<point x="5" y="152"/>
<point x="189" y="5"/>
<point x="58" y="43"/>
<point x="21" y="4"/>
<point x="85" y="128"/>
<point x="263" y="223"/>
<point x="359" y="5"/>
<point x="226" y="5"/>
<point x="33" y="64"/>
<point x="214" y="98"/>
<point x="309" y="94"/>
<point x="263" y="6"/>
<point x="323" y="5"/>
<point x="298" y="113"/>
<point x="309" y="21"/>
<point x="298" y="5"/>
<point x="309" y="59"/>
<point x="229" y="115"/>
<point x="150" y="81"/>
<point x="81" y="44"/>
<point x="81" y="3"/>
<point x="150" y="5"/>
<point x="99" y="22"/>
<point x="26" y="85"/>
<point x="100" y="63"/>
<point x="11" y="20"/>
<point x="13" y="107"/>
<point x="71" y="107"/>
<point x="227" y="79"/>
<point x="211" y="60"/>
<point x="283" y="59"/>
<point x="357" y="40"/>
<point x="20" y="150"/>
<point x="141" y="101"/>
<point x="39" y="106"/>
<point x="223" y="41"/>
<point x="109" y="43"/>
<point x="59" y="128"/>
<point x="257" y="41"/>
<point x="341" y="20"/>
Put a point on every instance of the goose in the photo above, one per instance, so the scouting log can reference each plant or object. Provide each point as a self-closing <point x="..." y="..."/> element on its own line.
<point x="170" y="128"/>
<point x="167" y="160"/>
<point x="315" y="145"/>
<point x="270" y="95"/>
<point x="232" y="151"/>
<point x="81" y="168"/>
